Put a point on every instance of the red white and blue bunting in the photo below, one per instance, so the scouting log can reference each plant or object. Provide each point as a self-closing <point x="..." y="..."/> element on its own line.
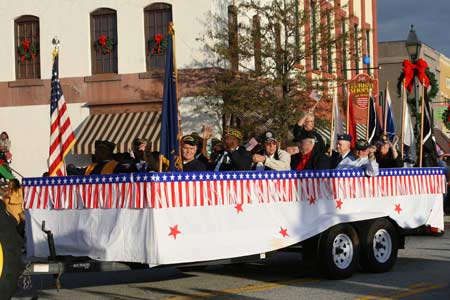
<point x="169" y="190"/>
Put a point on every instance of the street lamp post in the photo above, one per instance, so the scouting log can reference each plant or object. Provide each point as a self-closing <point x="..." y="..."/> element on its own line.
<point x="413" y="45"/>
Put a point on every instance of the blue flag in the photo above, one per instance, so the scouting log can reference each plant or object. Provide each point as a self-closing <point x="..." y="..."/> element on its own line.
<point x="169" y="143"/>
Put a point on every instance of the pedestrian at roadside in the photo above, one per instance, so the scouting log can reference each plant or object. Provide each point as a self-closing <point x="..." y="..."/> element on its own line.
<point x="5" y="147"/>
<point x="13" y="199"/>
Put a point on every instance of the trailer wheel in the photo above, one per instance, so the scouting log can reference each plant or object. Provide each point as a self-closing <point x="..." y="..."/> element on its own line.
<point x="339" y="252"/>
<point x="379" y="247"/>
<point x="10" y="255"/>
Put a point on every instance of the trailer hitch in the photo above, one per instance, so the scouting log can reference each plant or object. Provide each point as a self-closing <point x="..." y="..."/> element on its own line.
<point x="52" y="257"/>
<point x="50" y="241"/>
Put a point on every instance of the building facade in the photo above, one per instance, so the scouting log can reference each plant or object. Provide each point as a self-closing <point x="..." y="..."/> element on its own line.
<point x="125" y="76"/>
<point x="391" y="56"/>
<point x="111" y="65"/>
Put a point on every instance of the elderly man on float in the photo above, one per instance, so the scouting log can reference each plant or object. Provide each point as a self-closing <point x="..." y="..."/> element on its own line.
<point x="272" y="158"/>
<point x="365" y="159"/>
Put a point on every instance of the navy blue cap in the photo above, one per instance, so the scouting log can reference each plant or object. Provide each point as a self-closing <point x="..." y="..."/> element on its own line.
<point x="344" y="137"/>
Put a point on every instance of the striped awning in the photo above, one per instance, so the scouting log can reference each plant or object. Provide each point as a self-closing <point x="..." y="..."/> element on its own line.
<point x="325" y="132"/>
<point x="119" y="128"/>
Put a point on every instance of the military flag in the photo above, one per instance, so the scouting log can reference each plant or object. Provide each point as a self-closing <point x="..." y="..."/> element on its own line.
<point x="170" y="159"/>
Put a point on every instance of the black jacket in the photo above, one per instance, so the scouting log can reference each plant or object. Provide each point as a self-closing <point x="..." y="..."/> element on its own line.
<point x="317" y="161"/>
<point x="194" y="166"/>
<point x="297" y="131"/>
<point x="238" y="160"/>
<point x="388" y="161"/>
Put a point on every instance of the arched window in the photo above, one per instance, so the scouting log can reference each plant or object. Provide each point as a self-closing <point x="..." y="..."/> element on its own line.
<point x="156" y="21"/>
<point x="104" y="41"/>
<point x="28" y="62"/>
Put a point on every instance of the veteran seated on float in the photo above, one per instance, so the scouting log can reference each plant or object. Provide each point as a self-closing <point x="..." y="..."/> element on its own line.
<point x="104" y="162"/>
<point x="365" y="159"/>
<point x="234" y="157"/>
<point x="272" y="157"/>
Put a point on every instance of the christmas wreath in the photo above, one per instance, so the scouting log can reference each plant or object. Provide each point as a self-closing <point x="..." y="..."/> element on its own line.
<point x="446" y="117"/>
<point x="422" y="72"/>
<point x="104" y="44"/>
<point x="157" y="44"/>
<point x="27" y="50"/>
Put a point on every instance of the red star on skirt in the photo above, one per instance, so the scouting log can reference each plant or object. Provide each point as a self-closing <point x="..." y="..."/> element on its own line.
<point x="239" y="207"/>
<point x="174" y="231"/>
<point x="398" y="208"/>
<point x="312" y="200"/>
<point x="339" y="203"/>
<point x="283" y="232"/>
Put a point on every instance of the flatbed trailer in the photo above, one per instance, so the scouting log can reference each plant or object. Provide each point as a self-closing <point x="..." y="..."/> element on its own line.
<point x="340" y="219"/>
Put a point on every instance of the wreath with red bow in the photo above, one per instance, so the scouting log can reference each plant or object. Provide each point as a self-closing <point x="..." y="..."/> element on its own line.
<point x="27" y="50"/>
<point x="104" y="44"/>
<point x="446" y="117"/>
<point x="157" y="45"/>
<point x="422" y="72"/>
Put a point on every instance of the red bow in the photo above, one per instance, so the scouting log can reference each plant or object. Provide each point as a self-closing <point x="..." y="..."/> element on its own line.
<point x="26" y="45"/>
<point x="158" y="39"/>
<point x="411" y="70"/>
<point x="102" y="41"/>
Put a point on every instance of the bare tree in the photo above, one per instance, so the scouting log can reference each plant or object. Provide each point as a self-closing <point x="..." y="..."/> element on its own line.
<point x="266" y="48"/>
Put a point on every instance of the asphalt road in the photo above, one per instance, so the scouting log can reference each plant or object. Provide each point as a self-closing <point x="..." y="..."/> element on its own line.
<point x="422" y="272"/>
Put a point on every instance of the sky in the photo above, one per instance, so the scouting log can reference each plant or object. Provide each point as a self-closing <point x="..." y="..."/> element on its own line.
<point x="431" y="19"/>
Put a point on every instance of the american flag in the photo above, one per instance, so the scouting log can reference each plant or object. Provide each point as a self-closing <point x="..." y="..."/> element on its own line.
<point x="206" y="189"/>
<point x="62" y="137"/>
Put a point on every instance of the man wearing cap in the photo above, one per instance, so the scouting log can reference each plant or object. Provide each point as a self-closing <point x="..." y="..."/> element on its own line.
<point x="344" y="155"/>
<point x="306" y="123"/>
<point x="365" y="159"/>
<point x="271" y="158"/>
<point x="309" y="157"/>
<point x="188" y="150"/>
<point x="387" y="154"/>
<point x="104" y="162"/>
<point x="234" y="157"/>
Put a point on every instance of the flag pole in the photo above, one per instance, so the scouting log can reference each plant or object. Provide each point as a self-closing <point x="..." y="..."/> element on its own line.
<point x="404" y="103"/>
<point x="332" y="121"/>
<point x="368" y="115"/>
<point x="385" y="108"/>
<point x="175" y="70"/>
<point x="422" y="112"/>
<point x="347" y="95"/>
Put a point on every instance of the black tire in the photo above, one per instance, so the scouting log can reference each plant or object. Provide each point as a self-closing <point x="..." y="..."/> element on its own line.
<point x="339" y="252"/>
<point x="379" y="246"/>
<point x="10" y="254"/>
